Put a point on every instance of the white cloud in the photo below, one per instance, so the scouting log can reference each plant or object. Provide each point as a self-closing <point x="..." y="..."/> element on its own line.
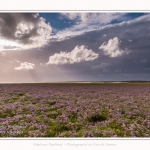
<point x="112" y="48"/>
<point x="93" y="18"/>
<point x="72" y="16"/>
<point x="78" y="54"/>
<point x="86" y="22"/>
<point x="25" y="66"/>
<point x="101" y="66"/>
<point x="43" y="36"/>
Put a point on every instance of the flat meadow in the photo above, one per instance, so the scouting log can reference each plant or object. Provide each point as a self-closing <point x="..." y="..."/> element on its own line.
<point x="75" y="110"/>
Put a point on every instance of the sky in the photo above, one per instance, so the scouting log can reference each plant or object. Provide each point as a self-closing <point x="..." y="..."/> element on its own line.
<point x="74" y="46"/>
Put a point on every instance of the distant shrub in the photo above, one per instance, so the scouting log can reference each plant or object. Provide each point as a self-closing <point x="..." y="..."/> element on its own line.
<point x="96" y="118"/>
<point x="52" y="102"/>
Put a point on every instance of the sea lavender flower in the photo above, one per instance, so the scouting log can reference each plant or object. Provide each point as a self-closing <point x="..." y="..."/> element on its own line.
<point x="88" y="134"/>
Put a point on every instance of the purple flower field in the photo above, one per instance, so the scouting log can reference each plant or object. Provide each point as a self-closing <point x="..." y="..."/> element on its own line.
<point x="75" y="110"/>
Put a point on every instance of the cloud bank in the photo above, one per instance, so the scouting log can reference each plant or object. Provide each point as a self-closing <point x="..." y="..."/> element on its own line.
<point x="86" y="22"/>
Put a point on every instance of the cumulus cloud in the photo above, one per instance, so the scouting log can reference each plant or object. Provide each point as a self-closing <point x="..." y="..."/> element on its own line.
<point x="25" y="66"/>
<point x="86" y="22"/>
<point x="112" y="48"/>
<point x="23" y="31"/>
<point x="78" y="54"/>
<point x="101" y="66"/>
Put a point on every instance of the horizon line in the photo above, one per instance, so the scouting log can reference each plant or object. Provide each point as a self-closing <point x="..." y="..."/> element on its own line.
<point x="75" y="82"/>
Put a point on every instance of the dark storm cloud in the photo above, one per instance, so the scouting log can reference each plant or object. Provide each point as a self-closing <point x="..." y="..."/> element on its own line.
<point x="27" y="29"/>
<point x="10" y="21"/>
